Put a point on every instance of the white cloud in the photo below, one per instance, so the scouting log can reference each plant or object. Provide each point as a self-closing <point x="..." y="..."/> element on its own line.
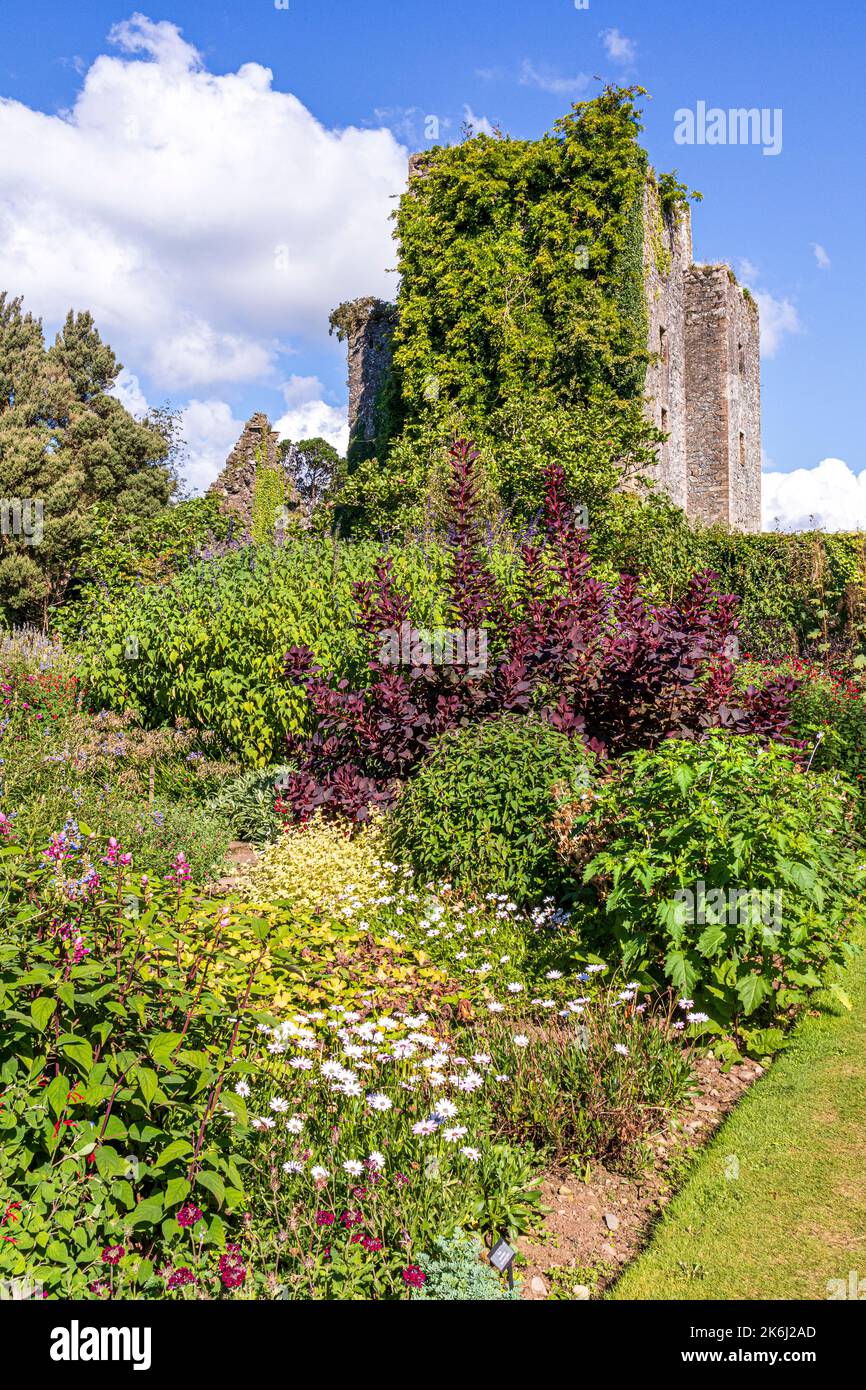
<point x="779" y="317"/>
<point x="550" y="81"/>
<point x="210" y="432"/>
<point x="480" y="124"/>
<point x="161" y="40"/>
<point x="198" y="354"/>
<point x="617" y="47"/>
<point x="829" y="496"/>
<point x="821" y="257"/>
<point x="128" y="391"/>
<point x="207" y="221"/>
<point x="307" y="416"/>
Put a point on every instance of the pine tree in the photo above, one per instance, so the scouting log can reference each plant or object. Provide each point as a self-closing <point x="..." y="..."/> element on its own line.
<point x="67" y="447"/>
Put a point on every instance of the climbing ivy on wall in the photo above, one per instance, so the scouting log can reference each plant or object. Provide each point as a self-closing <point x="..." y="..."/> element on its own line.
<point x="269" y="494"/>
<point x="521" y="265"/>
<point x="521" y="316"/>
<point x="802" y="593"/>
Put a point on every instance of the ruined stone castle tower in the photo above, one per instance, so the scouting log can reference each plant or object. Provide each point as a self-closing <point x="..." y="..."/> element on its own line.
<point x="702" y="386"/>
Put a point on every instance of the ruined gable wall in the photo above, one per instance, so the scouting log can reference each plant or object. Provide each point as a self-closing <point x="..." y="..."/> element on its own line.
<point x="235" y="485"/>
<point x="367" y="325"/>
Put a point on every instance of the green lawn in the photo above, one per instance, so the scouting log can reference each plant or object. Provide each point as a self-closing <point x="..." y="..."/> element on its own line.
<point x="795" y="1217"/>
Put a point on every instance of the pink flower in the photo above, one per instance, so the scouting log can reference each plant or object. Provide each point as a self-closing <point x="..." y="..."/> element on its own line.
<point x="189" y="1215"/>
<point x="111" y="1254"/>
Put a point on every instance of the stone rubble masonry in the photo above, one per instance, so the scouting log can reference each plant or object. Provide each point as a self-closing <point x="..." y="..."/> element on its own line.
<point x="723" y="400"/>
<point x="703" y="384"/>
<point x="235" y="486"/>
<point x="367" y="326"/>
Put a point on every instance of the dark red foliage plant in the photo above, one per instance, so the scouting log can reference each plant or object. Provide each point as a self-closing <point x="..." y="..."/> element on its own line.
<point x="596" y="660"/>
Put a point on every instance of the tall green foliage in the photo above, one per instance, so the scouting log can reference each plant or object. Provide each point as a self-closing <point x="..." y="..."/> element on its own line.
<point x="521" y="318"/>
<point x="66" y="446"/>
<point x="209" y="646"/>
<point x="801" y="593"/>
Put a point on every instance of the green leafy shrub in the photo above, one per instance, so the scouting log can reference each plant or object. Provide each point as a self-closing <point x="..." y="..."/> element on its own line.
<point x="478" y="810"/>
<point x="828" y="716"/>
<point x="124" y="551"/>
<point x="246" y="804"/>
<point x="211" y="644"/>
<point x="801" y="593"/>
<point x="724" y="870"/>
<point x="114" y="1053"/>
<point x="455" y="1271"/>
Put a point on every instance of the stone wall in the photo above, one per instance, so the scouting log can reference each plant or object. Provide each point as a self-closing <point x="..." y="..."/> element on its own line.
<point x="703" y="383"/>
<point x="235" y="486"/>
<point x="744" y="412"/>
<point x="366" y="325"/>
<point x="667" y="256"/>
<point x="722" y="400"/>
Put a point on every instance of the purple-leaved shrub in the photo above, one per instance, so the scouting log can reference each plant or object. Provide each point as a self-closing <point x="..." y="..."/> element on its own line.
<point x="594" y="659"/>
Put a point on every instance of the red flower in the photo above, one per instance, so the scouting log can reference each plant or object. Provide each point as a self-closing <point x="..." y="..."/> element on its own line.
<point x="111" y="1255"/>
<point x="179" y="1277"/>
<point x="232" y="1269"/>
<point x="414" y="1276"/>
<point x="189" y="1215"/>
<point x="371" y="1243"/>
<point x="325" y="1218"/>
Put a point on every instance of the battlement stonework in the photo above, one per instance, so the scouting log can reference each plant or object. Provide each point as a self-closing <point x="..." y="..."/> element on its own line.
<point x="702" y="388"/>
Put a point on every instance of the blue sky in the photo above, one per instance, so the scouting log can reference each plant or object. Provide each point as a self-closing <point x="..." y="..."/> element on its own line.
<point x="157" y="171"/>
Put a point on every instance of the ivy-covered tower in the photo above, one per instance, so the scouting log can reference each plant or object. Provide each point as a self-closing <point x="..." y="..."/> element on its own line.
<point x="701" y="367"/>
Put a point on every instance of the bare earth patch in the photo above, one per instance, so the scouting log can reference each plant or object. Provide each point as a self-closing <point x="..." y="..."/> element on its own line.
<point x="594" y="1228"/>
<point x="238" y="856"/>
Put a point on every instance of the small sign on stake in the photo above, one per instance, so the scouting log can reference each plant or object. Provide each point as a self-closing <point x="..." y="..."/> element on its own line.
<point x="502" y="1258"/>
